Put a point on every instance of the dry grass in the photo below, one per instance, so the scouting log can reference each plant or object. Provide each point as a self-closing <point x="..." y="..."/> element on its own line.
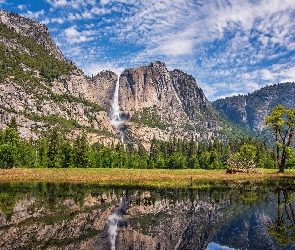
<point x="134" y="177"/>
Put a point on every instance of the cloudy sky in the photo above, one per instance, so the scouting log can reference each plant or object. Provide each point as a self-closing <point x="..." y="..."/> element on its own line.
<point x="230" y="46"/>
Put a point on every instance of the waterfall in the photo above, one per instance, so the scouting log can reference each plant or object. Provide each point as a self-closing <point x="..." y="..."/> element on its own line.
<point x="115" y="112"/>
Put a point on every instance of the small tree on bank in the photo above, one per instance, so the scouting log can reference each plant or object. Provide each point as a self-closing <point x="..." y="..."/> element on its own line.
<point x="282" y="122"/>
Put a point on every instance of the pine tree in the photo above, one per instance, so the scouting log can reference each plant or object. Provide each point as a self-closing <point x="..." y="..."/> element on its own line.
<point x="81" y="151"/>
<point x="53" y="153"/>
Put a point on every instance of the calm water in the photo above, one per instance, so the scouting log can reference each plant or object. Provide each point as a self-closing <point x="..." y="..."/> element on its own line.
<point x="226" y="216"/>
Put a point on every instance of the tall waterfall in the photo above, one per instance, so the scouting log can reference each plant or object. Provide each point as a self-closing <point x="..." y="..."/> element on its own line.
<point x="115" y="111"/>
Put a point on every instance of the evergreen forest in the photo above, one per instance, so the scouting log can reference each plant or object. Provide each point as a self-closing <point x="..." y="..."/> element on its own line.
<point x="55" y="151"/>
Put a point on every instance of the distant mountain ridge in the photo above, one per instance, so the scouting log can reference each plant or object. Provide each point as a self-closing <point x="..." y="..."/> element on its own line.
<point x="250" y="110"/>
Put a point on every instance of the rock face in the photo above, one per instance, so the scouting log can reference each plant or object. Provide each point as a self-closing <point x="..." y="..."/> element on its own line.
<point x="156" y="102"/>
<point x="76" y="84"/>
<point x="105" y="83"/>
<point x="33" y="113"/>
<point x="250" y="110"/>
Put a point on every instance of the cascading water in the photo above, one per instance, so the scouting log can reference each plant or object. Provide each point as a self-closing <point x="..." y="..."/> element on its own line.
<point x="115" y="111"/>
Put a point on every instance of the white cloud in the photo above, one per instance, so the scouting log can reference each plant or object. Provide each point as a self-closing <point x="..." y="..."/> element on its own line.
<point x="100" y="11"/>
<point x="57" y="3"/>
<point x="72" y="35"/>
<point x="34" y="15"/>
<point x="73" y="4"/>
<point x="75" y="16"/>
<point x="45" y="21"/>
<point x="103" y="2"/>
<point x="21" y="7"/>
<point x="87" y="15"/>
<point x="57" y="20"/>
<point x="267" y="75"/>
<point x="287" y="75"/>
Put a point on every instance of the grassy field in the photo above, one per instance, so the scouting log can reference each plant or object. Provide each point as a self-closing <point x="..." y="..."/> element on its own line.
<point x="135" y="177"/>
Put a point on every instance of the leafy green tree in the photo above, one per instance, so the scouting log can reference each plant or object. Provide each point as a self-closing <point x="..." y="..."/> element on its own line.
<point x="192" y="162"/>
<point x="282" y="122"/>
<point x="27" y="153"/>
<point x="9" y="147"/>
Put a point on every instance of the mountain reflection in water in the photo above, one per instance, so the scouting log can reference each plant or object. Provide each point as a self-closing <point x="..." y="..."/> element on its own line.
<point x="77" y="216"/>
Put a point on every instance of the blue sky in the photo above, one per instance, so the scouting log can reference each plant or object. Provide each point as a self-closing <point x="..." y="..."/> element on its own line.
<point x="230" y="46"/>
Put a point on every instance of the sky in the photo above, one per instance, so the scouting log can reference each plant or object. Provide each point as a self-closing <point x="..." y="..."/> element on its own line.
<point x="230" y="47"/>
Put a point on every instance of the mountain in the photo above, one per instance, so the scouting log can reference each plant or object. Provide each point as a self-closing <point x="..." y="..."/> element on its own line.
<point x="250" y="110"/>
<point x="42" y="89"/>
<point x="155" y="102"/>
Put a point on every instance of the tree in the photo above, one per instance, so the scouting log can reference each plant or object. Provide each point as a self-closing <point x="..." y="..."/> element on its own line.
<point x="9" y="147"/>
<point x="282" y="122"/>
<point x="66" y="155"/>
<point x="53" y="152"/>
<point x="81" y="151"/>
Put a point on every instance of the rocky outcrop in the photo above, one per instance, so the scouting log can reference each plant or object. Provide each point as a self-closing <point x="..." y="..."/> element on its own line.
<point x="34" y="112"/>
<point x="33" y="29"/>
<point x="41" y="95"/>
<point x="192" y="98"/>
<point x="75" y="83"/>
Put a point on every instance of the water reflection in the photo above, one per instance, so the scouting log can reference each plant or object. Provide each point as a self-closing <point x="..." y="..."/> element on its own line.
<point x="215" y="246"/>
<point x="71" y="216"/>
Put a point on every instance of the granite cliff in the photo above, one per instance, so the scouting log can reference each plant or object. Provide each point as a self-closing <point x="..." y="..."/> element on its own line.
<point x="41" y="88"/>
<point x="32" y="29"/>
<point x="159" y="103"/>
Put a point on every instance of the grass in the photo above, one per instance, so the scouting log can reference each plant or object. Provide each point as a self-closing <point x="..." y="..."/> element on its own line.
<point x="155" y="178"/>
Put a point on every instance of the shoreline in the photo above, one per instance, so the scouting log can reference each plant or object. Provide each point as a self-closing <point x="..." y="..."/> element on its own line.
<point x="154" y="178"/>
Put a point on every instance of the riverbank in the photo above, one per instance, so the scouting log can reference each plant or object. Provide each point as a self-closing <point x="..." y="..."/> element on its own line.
<point x="157" y="178"/>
